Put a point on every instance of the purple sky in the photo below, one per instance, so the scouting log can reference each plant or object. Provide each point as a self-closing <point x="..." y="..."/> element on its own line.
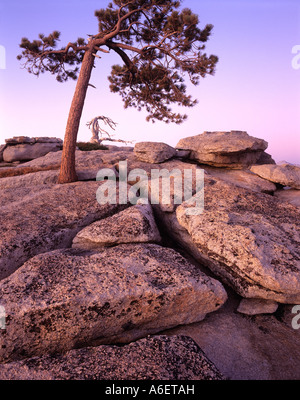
<point x="255" y="87"/>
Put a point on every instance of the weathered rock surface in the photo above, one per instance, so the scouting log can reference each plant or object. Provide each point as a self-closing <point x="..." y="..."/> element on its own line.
<point x="261" y="347"/>
<point x="136" y="224"/>
<point x="93" y="161"/>
<point x="49" y="159"/>
<point x="20" y="140"/>
<point x="285" y="174"/>
<point x="31" y="140"/>
<point x="2" y="148"/>
<point x="20" y="152"/>
<point x="243" y="178"/>
<point x="152" y="358"/>
<point x="32" y="179"/>
<point x="235" y="149"/>
<point x="119" y="148"/>
<point x="157" y="182"/>
<point x="46" y="220"/>
<point x="251" y="240"/>
<point x="291" y="196"/>
<point x="65" y="299"/>
<point x="257" y="306"/>
<point x="153" y="152"/>
<point x="134" y="164"/>
<point x="88" y="163"/>
<point x="16" y="194"/>
<point x="44" y="139"/>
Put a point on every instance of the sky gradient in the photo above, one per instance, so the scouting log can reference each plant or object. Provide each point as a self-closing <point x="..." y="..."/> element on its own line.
<point x="255" y="87"/>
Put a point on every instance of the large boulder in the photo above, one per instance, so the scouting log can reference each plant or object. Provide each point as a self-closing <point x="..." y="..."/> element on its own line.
<point x="235" y="149"/>
<point x="284" y="174"/>
<point x="153" y="152"/>
<point x="251" y="240"/>
<point x="21" y="152"/>
<point x="152" y="358"/>
<point x="47" y="219"/>
<point x="136" y="224"/>
<point x="66" y="298"/>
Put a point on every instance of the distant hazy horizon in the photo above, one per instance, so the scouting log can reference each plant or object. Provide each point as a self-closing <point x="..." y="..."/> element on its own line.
<point x="256" y="87"/>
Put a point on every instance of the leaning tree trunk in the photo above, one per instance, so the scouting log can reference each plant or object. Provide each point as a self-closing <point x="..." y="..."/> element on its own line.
<point x="67" y="169"/>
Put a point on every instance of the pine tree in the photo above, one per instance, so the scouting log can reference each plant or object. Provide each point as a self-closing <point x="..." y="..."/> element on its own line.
<point x="158" y="43"/>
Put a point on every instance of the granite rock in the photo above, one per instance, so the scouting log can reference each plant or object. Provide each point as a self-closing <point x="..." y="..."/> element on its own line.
<point x="153" y="358"/>
<point x="31" y="179"/>
<point x="153" y="152"/>
<point x="285" y="174"/>
<point x="21" y="152"/>
<point x="46" y="220"/>
<point x="257" y="306"/>
<point x="136" y="224"/>
<point x="66" y="298"/>
<point x="235" y="149"/>
<point x="19" y="140"/>
<point x="250" y="240"/>
<point x="243" y="178"/>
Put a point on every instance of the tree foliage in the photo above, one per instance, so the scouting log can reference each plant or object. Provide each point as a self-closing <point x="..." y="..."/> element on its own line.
<point x="159" y="45"/>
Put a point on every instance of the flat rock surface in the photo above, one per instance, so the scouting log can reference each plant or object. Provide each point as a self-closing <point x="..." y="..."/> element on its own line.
<point x="284" y="174"/>
<point x="250" y="239"/>
<point x="46" y="220"/>
<point x="66" y="299"/>
<point x="222" y="142"/>
<point x="152" y="358"/>
<point x="136" y="224"/>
